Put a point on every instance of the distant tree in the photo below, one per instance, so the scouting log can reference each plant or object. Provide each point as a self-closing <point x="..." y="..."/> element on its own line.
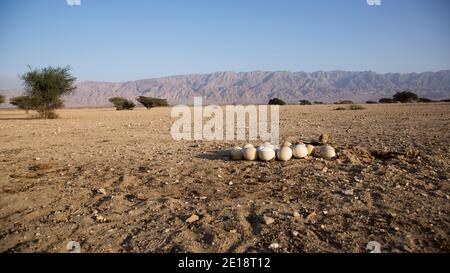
<point x="122" y="103"/>
<point x="318" y="102"/>
<point x="46" y="86"/>
<point x="276" y="101"/>
<point x="387" y="100"/>
<point x="424" y="100"/>
<point x="371" y="102"/>
<point x="2" y="99"/>
<point x="344" y="102"/>
<point x="405" y="96"/>
<point x="150" y="102"/>
<point x="447" y="100"/>
<point x="23" y="102"/>
<point x="305" y="102"/>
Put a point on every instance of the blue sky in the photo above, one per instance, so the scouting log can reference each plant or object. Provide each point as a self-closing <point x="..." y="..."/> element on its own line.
<point x="118" y="40"/>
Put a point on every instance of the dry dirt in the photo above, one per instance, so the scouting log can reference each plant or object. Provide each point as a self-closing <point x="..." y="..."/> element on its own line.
<point x="117" y="182"/>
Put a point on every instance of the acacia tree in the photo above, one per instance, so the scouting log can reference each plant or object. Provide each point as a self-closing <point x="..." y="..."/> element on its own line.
<point x="150" y="102"/>
<point x="22" y="102"/>
<point x="276" y="101"/>
<point x="46" y="86"/>
<point x="405" y="96"/>
<point x="122" y="103"/>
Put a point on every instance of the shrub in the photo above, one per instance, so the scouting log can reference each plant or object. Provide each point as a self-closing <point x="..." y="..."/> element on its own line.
<point x="305" y="102"/>
<point x="340" y="108"/>
<point x="448" y="100"/>
<point x="22" y="102"/>
<point x="371" y="102"/>
<point x="356" y="107"/>
<point x="424" y="100"/>
<point x="122" y="103"/>
<point x="344" y="102"/>
<point x="318" y="102"/>
<point x="405" y="96"/>
<point x="2" y="99"/>
<point x="276" y="101"/>
<point x="387" y="100"/>
<point x="45" y="87"/>
<point x="149" y="102"/>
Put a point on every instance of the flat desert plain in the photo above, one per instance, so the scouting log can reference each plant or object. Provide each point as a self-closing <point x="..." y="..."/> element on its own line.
<point x="115" y="181"/>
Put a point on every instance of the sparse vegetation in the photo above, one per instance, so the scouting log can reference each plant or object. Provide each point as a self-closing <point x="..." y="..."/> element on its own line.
<point x="371" y="102"/>
<point x="344" y="102"/>
<point x="45" y="87"/>
<point x="2" y="99"/>
<point x="351" y="107"/>
<point x="424" y="100"/>
<point x="405" y="97"/>
<point x="387" y="100"/>
<point x="305" y="102"/>
<point x="340" y="108"/>
<point x="448" y="100"/>
<point x="149" y="102"/>
<point x="318" y="102"/>
<point x="22" y="102"/>
<point x="122" y="103"/>
<point x="276" y="101"/>
<point x="356" y="107"/>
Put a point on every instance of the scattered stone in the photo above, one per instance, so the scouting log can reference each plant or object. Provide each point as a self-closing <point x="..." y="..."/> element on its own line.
<point x="233" y="231"/>
<point x="274" y="246"/>
<point x="192" y="219"/>
<point x="373" y="247"/>
<point x="295" y="233"/>
<point x="268" y="220"/>
<point x="102" y="191"/>
<point x="324" y="138"/>
<point x="347" y="192"/>
<point x="100" y="218"/>
<point x="296" y="214"/>
<point x="73" y="247"/>
<point x="311" y="218"/>
<point x="325" y="169"/>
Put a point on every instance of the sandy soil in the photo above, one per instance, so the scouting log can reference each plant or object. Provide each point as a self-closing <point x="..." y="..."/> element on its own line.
<point x="116" y="182"/>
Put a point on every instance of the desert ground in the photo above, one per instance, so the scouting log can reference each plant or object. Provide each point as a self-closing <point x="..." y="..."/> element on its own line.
<point x="115" y="181"/>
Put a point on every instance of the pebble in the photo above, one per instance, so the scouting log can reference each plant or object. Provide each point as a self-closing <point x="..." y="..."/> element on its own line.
<point x="274" y="246"/>
<point x="347" y="192"/>
<point x="193" y="218"/>
<point x="268" y="220"/>
<point x="295" y="233"/>
<point x="296" y="214"/>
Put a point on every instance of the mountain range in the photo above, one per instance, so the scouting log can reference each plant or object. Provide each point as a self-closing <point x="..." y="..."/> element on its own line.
<point x="260" y="86"/>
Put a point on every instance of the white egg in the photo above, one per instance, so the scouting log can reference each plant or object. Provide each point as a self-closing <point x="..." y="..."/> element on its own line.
<point x="286" y="144"/>
<point x="236" y="153"/>
<point x="250" y="154"/>
<point x="326" y="151"/>
<point x="266" y="154"/>
<point x="310" y="149"/>
<point x="268" y="144"/>
<point x="284" y="153"/>
<point x="300" y="151"/>
<point x="248" y="145"/>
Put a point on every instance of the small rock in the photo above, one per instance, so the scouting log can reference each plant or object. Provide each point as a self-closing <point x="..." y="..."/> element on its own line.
<point x="374" y="247"/>
<point x="311" y="218"/>
<point x="268" y="220"/>
<point x="274" y="246"/>
<point x="37" y="159"/>
<point x="192" y="219"/>
<point x="324" y="138"/>
<point x="347" y="192"/>
<point x="295" y="233"/>
<point x="296" y="214"/>
<point x="325" y="169"/>
<point x="102" y="191"/>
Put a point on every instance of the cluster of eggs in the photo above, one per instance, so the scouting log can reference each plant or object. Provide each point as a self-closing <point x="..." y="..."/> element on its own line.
<point x="268" y="152"/>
